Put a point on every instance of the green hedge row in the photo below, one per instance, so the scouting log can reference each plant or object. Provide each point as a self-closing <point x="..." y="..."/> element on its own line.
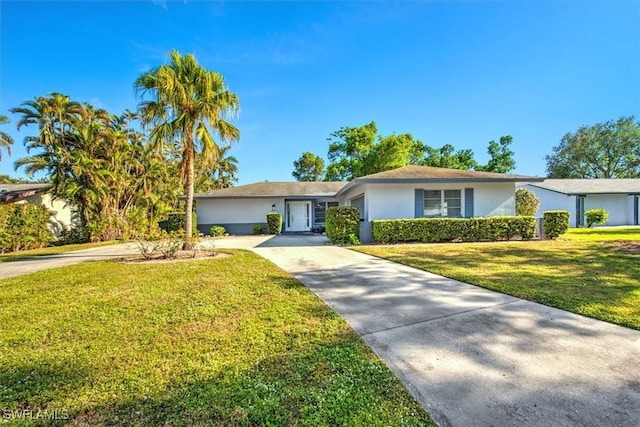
<point x="24" y="226"/>
<point x="434" y="230"/>
<point x="343" y="224"/>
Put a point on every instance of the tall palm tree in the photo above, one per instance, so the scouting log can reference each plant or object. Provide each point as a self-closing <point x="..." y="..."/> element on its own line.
<point x="188" y="103"/>
<point x="5" y="139"/>
<point x="226" y="168"/>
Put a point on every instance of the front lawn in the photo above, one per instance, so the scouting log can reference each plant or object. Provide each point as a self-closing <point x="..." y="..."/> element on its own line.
<point x="596" y="234"/>
<point x="228" y="341"/>
<point x="598" y="280"/>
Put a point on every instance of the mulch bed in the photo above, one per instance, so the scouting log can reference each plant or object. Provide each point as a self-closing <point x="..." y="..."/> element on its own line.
<point x="179" y="256"/>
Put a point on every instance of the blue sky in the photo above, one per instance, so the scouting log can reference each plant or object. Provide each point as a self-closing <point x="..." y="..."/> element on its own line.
<point x="460" y="73"/>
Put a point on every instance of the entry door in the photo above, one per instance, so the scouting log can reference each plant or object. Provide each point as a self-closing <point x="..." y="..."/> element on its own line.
<point x="580" y="211"/>
<point x="298" y="216"/>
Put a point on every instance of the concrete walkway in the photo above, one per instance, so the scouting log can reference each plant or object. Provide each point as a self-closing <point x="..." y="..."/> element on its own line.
<point x="470" y="356"/>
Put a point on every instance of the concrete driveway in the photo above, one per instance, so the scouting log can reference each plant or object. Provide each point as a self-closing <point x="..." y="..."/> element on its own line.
<point x="31" y="265"/>
<point x="473" y="357"/>
<point x="470" y="356"/>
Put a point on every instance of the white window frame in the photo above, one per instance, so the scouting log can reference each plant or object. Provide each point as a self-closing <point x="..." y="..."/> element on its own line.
<point x="444" y="209"/>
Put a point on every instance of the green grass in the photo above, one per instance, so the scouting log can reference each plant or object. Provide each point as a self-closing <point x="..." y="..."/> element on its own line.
<point x="588" y="278"/>
<point x="228" y="341"/>
<point x="52" y="250"/>
<point x="602" y="233"/>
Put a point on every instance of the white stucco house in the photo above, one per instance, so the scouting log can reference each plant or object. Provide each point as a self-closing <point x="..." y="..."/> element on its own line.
<point x="407" y="192"/>
<point x="618" y="196"/>
<point x="64" y="216"/>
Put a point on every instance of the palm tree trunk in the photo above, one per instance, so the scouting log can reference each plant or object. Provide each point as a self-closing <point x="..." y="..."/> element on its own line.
<point x="188" y="244"/>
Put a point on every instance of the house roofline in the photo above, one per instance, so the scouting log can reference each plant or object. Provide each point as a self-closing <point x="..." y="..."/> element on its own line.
<point x="359" y="181"/>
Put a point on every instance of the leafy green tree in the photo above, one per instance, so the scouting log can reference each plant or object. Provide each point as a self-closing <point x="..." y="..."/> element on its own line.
<point x="393" y="151"/>
<point x="501" y="156"/>
<point x="448" y="157"/>
<point x="308" y="167"/>
<point x="187" y="102"/>
<point x="5" y="139"/>
<point x="348" y="150"/>
<point x="604" y="150"/>
<point x="100" y="163"/>
<point x="355" y="152"/>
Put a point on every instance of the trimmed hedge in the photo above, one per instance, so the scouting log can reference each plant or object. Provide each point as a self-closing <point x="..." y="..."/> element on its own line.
<point x="343" y="224"/>
<point x="555" y="223"/>
<point x="24" y="226"/>
<point x="435" y="230"/>
<point x="596" y="216"/>
<point x="274" y="222"/>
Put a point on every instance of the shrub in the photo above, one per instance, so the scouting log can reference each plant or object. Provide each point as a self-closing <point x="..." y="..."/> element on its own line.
<point x="274" y="222"/>
<point x="75" y="234"/>
<point x="433" y="230"/>
<point x="555" y="223"/>
<point x="596" y="216"/>
<point x="217" y="231"/>
<point x="23" y="227"/>
<point x="526" y="203"/>
<point x="341" y="222"/>
<point x="175" y="222"/>
<point x="259" y="229"/>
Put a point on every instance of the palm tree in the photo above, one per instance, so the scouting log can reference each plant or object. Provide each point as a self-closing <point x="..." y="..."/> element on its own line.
<point x="187" y="102"/>
<point x="5" y="139"/>
<point x="226" y="167"/>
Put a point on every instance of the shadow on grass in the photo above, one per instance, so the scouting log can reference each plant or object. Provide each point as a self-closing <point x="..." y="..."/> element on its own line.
<point x="590" y="279"/>
<point x="337" y="383"/>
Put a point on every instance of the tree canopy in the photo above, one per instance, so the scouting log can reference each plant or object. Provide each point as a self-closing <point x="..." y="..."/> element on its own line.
<point x="308" y="167"/>
<point x="605" y="150"/>
<point x="98" y="162"/>
<point x="359" y="151"/>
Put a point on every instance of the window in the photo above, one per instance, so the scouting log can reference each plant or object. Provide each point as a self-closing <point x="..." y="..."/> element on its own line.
<point x="443" y="203"/>
<point x="320" y="209"/>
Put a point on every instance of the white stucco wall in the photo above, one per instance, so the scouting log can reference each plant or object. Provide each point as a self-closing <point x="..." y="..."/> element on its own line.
<point x="236" y="211"/>
<point x="345" y="199"/>
<point x="491" y="199"/>
<point x="388" y="201"/>
<point x="63" y="214"/>
<point x="553" y="201"/>
<point x="619" y="206"/>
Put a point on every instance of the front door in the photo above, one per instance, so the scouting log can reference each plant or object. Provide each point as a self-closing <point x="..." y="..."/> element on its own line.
<point x="298" y="216"/>
<point x="580" y="211"/>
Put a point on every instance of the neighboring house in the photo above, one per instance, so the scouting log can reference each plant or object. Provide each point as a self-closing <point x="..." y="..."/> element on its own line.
<point x="407" y="192"/>
<point x="63" y="215"/>
<point x="618" y="196"/>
